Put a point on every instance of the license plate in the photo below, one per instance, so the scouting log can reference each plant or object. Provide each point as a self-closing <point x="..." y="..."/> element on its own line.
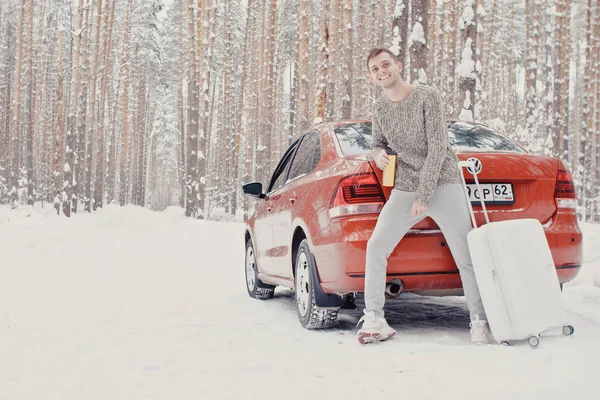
<point x="492" y="193"/>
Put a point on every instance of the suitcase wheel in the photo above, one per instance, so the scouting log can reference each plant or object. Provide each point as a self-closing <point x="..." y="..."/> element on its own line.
<point x="533" y="341"/>
<point x="505" y="343"/>
<point x="568" y="330"/>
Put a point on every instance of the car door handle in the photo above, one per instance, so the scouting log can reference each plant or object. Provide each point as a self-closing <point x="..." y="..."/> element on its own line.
<point x="293" y="200"/>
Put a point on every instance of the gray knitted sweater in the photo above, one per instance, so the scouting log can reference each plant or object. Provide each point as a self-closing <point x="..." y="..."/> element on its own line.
<point x="416" y="129"/>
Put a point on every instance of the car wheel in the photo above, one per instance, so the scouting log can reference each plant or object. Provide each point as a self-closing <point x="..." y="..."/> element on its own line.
<point x="256" y="288"/>
<point x="310" y="316"/>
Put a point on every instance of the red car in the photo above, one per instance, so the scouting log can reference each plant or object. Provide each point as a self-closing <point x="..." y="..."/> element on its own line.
<point x="311" y="224"/>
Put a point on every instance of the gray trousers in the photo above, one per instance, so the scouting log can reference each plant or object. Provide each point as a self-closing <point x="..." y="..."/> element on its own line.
<point x="448" y="208"/>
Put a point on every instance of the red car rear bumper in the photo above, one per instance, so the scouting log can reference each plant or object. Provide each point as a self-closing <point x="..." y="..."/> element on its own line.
<point x="422" y="261"/>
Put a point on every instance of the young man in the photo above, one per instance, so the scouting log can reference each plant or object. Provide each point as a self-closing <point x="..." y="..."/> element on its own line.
<point x="409" y="119"/>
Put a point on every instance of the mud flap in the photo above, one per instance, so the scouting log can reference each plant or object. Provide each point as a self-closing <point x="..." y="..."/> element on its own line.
<point x="323" y="299"/>
<point x="262" y="285"/>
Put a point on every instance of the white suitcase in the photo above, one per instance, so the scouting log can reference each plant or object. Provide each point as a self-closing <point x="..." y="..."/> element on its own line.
<point x="516" y="276"/>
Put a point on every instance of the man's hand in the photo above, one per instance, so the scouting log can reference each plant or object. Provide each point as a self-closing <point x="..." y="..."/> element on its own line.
<point x="381" y="159"/>
<point x="418" y="209"/>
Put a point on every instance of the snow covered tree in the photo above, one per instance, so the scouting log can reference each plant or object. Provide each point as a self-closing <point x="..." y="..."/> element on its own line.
<point x="531" y="51"/>
<point x="18" y="100"/>
<point x="191" y="183"/>
<point x="466" y="68"/>
<point x="321" y="88"/>
<point x="562" y="60"/>
<point x="418" y="42"/>
<point x="70" y="168"/>
<point x="99" y="190"/>
<point x="303" y="92"/>
<point x="346" y="92"/>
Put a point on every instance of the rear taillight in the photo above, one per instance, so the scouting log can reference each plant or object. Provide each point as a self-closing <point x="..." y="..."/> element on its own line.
<point x="357" y="194"/>
<point x="564" y="194"/>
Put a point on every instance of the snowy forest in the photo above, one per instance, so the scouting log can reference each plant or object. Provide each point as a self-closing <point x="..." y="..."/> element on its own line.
<point x="159" y="102"/>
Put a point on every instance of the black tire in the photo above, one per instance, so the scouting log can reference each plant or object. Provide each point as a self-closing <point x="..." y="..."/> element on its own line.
<point x="310" y="316"/>
<point x="533" y="341"/>
<point x="256" y="288"/>
<point x="568" y="330"/>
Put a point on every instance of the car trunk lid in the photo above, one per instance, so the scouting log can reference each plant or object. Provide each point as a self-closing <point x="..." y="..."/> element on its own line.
<point x="531" y="179"/>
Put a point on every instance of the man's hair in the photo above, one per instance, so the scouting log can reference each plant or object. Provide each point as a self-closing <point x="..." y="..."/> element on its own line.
<point x="377" y="51"/>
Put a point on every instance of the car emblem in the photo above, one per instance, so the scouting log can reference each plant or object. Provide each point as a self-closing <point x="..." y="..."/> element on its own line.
<point x="474" y="165"/>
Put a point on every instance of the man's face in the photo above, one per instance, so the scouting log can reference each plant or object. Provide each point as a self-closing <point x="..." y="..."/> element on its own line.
<point x="384" y="70"/>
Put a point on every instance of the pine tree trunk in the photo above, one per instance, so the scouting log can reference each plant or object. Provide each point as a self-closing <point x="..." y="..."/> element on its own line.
<point x="141" y="140"/>
<point x="83" y="147"/>
<point x="549" y="79"/>
<point x="58" y="195"/>
<point x="191" y="209"/>
<point x="92" y="126"/>
<point x="418" y="48"/>
<point x="70" y="171"/>
<point x="489" y="67"/>
<point x="268" y="130"/>
<point x="30" y="110"/>
<point x="180" y="100"/>
<point x="242" y="105"/>
<point x="432" y="43"/>
<point x="5" y="153"/>
<point x="585" y="170"/>
<point x="16" y="153"/>
<point x="101" y="153"/>
<point x="200" y="16"/>
<point x="596" y="66"/>
<point x="479" y="51"/>
<point x="124" y="180"/>
<point x="560" y="120"/>
<point x="346" y="98"/>
<point x="262" y="164"/>
<point x="466" y="69"/>
<point x="564" y="78"/>
<point x="5" y="135"/>
<point x="400" y="32"/>
<point x="203" y="12"/>
<point x="332" y="110"/>
<point x="358" y="62"/>
<point x="321" y="89"/>
<point x="514" y="115"/>
<point x="303" y="35"/>
<point x="531" y="50"/>
<point x="42" y="167"/>
<point x="236" y="126"/>
<point x="451" y="68"/>
<point x="209" y="33"/>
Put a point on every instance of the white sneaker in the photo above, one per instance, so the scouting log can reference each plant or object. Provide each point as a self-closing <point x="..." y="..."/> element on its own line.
<point x="479" y="332"/>
<point x="374" y="328"/>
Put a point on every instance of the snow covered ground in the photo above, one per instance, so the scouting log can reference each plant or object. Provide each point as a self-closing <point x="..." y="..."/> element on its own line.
<point x="132" y="304"/>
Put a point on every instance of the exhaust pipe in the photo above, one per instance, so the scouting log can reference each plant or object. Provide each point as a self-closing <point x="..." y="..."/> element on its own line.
<point x="393" y="288"/>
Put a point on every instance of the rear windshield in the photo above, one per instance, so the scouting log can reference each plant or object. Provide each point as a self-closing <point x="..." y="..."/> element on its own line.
<point x="471" y="137"/>
<point x="464" y="137"/>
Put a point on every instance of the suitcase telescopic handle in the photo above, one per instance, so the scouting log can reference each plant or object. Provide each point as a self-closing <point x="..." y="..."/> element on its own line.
<point x="470" y="166"/>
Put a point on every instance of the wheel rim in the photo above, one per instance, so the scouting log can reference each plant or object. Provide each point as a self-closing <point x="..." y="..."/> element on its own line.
<point x="250" y="269"/>
<point x="302" y="284"/>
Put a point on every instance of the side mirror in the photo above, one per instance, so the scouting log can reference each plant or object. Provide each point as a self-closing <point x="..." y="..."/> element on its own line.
<point x="254" y="189"/>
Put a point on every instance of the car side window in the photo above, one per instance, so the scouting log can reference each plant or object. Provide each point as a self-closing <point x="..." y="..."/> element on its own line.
<point x="305" y="158"/>
<point x="281" y="172"/>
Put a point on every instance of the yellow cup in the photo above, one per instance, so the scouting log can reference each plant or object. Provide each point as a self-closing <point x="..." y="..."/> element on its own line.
<point x="389" y="172"/>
